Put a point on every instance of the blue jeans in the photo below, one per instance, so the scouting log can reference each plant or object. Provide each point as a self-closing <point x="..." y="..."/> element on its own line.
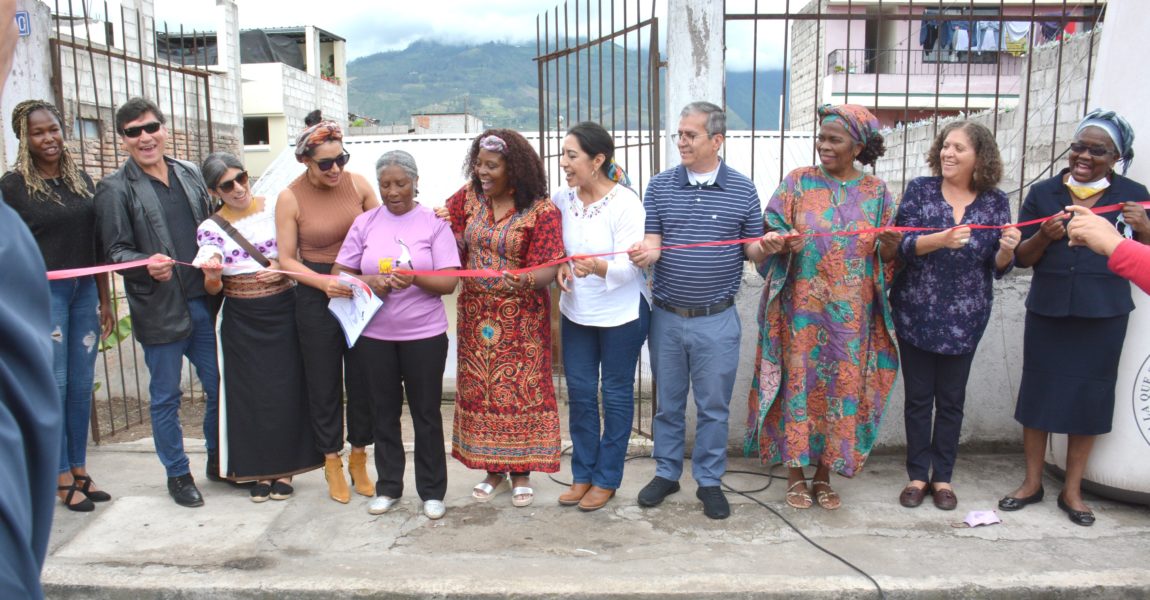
<point x="698" y="354"/>
<point x="164" y="364"/>
<point x="75" y="342"/>
<point x="611" y="353"/>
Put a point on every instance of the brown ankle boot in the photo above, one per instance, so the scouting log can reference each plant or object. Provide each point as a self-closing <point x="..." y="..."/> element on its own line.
<point x="336" y="484"/>
<point x="574" y="494"/>
<point x="357" y="468"/>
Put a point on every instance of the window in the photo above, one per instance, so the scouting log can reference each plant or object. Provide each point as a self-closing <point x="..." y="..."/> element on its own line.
<point x="86" y="129"/>
<point x="256" y="131"/>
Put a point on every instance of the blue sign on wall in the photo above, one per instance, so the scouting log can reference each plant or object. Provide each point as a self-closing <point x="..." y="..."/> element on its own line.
<point x="23" y="23"/>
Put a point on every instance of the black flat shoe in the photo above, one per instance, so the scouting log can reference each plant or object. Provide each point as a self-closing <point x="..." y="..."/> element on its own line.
<point x="260" y="492"/>
<point x="84" y="505"/>
<point x="1084" y="518"/>
<point x="281" y="490"/>
<point x="86" y="489"/>
<point x="1008" y="503"/>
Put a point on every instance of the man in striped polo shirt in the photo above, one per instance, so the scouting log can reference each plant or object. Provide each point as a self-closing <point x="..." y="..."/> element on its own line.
<point x="695" y="331"/>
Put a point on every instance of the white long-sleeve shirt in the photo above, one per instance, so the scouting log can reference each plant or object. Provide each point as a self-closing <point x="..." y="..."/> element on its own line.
<point x="611" y="224"/>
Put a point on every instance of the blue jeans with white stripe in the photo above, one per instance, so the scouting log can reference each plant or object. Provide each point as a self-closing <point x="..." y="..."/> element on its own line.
<point x="698" y="355"/>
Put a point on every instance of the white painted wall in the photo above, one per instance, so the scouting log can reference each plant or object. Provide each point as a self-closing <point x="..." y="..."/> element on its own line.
<point x="31" y="73"/>
<point x="695" y="71"/>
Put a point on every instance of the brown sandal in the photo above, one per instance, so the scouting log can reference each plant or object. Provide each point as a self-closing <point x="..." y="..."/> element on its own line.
<point x="828" y="498"/>
<point x="799" y="499"/>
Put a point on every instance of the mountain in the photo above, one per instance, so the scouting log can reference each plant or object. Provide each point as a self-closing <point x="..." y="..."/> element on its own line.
<point x="498" y="82"/>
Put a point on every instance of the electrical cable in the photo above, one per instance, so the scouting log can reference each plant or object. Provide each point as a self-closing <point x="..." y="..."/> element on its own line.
<point x="771" y="477"/>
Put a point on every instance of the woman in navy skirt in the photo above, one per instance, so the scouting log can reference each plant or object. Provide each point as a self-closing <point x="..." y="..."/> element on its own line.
<point x="1076" y="311"/>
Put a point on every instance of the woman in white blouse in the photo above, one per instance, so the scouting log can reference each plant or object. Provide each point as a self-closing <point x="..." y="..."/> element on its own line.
<point x="605" y="314"/>
<point x="265" y="427"/>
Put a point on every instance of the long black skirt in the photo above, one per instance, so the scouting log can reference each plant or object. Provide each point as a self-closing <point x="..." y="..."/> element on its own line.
<point x="265" y="425"/>
<point x="1069" y="368"/>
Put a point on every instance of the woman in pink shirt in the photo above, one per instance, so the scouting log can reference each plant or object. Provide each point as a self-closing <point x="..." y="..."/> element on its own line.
<point x="404" y="346"/>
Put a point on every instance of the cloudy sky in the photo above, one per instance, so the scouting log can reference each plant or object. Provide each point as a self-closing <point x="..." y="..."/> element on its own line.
<point x="393" y="24"/>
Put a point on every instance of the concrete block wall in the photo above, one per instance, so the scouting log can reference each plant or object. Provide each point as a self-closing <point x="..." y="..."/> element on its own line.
<point x="807" y="47"/>
<point x="304" y="93"/>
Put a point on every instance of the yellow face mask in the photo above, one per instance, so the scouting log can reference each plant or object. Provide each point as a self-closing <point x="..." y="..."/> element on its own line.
<point x="1082" y="190"/>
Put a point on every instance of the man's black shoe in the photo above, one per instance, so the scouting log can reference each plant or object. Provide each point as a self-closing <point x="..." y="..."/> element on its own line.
<point x="715" y="504"/>
<point x="213" y="469"/>
<point x="655" y="492"/>
<point x="183" y="491"/>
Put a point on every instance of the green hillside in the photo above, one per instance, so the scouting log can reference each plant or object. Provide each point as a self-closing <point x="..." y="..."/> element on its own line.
<point x="499" y="83"/>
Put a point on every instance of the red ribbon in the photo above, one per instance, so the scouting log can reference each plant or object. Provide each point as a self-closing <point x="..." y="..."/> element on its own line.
<point x="68" y="273"/>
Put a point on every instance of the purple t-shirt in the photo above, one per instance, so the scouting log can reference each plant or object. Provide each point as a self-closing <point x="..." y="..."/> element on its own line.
<point x="410" y="314"/>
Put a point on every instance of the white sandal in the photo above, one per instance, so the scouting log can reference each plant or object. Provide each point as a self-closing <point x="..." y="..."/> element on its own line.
<point x="483" y="491"/>
<point x="527" y="493"/>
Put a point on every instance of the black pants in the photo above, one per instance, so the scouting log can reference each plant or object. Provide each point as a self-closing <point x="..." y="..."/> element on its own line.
<point x="933" y="383"/>
<point x="329" y="366"/>
<point x="414" y="367"/>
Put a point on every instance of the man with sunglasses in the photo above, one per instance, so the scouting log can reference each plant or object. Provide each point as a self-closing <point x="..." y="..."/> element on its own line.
<point x="149" y="209"/>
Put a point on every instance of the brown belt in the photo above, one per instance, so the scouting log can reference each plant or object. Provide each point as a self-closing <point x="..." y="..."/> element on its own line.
<point x="246" y="286"/>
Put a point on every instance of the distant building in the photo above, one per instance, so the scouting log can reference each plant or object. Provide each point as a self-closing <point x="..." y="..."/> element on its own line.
<point x="422" y="123"/>
<point x="909" y="70"/>
<point x="287" y="72"/>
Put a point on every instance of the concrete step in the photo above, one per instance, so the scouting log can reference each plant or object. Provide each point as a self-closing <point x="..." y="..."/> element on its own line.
<point x="142" y="545"/>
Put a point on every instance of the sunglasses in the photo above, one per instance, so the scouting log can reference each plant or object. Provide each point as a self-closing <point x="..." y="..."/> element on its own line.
<point x="328" y="163"/>
<point x="135" y="131"/>
<point x="1079" y="148"/>
<point x="229" y="185"/>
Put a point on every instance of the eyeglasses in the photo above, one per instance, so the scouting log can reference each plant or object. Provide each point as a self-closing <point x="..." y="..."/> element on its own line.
<point x="136" y="130"/>
<point x="327" y="163"/>
<point x="1079" y="148"/>
<point x="687" y="136"/>
<point x="229" y="185"/>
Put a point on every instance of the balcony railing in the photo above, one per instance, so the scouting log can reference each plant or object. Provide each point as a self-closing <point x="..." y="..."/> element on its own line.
<point x="916" y="61"/>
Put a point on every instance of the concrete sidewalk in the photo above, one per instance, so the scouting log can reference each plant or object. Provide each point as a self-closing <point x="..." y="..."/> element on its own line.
<point x="142" y="545"/>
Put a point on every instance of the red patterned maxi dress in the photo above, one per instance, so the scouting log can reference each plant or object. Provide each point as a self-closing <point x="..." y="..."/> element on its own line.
<point x="506" y="418"/>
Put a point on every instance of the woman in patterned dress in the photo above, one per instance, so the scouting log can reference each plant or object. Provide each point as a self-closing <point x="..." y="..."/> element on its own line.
<point x="942" y="296"/>
<point x="506" y="418"/>
<point x="265" y="426"/>
<point x="827" y="360"/>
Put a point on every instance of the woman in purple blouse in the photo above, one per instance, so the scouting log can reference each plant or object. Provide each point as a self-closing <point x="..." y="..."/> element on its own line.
<point x="942" y="296"/>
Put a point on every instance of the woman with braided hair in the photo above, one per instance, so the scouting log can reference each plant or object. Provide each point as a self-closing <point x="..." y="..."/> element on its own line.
<point x="54" y="198"/>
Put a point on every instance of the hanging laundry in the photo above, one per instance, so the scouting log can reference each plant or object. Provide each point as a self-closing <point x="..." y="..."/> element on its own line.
<point x="1017" y="37"/>
<point x="988" y="34"/>
<point x="961" y="36"/>
<point x="928" y="34"/>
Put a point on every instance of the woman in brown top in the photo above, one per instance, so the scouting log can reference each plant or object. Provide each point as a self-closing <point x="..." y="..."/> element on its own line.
<point x="313" y="216"/>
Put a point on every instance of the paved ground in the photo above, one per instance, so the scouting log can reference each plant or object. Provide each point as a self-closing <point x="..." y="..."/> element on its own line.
<point x="142" y="545"/>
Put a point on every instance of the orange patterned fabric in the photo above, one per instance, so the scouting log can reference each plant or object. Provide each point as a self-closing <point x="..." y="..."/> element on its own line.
<point x="506" y="417"/>
<point x="827" y="361"/>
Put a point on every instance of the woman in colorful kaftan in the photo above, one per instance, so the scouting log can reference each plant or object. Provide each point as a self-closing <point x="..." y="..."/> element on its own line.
<point x="827" y="360"/>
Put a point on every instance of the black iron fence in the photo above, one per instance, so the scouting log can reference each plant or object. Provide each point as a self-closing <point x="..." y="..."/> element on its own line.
<point x="98" y="62"/>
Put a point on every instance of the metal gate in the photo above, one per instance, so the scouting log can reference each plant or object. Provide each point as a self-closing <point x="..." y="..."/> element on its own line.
<point x="98" y="62"/>
<point x="599" y="61"/>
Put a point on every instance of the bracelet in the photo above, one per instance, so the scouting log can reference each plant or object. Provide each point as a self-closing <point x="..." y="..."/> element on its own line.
<point x="531" y="279"/>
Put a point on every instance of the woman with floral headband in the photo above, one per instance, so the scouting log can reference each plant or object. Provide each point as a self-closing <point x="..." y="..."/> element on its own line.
<point x="506" y="418"/>
<point x="313" y="216"/>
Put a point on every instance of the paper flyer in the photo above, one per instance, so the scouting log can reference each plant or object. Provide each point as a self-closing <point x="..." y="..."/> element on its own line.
<point x="356" y="312"/>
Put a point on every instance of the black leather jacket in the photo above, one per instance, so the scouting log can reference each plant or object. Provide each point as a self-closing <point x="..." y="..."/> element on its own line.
<point x="132" y="227"/>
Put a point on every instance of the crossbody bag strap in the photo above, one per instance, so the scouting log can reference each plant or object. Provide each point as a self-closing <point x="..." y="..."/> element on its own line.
<point x="241" y="240"/>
